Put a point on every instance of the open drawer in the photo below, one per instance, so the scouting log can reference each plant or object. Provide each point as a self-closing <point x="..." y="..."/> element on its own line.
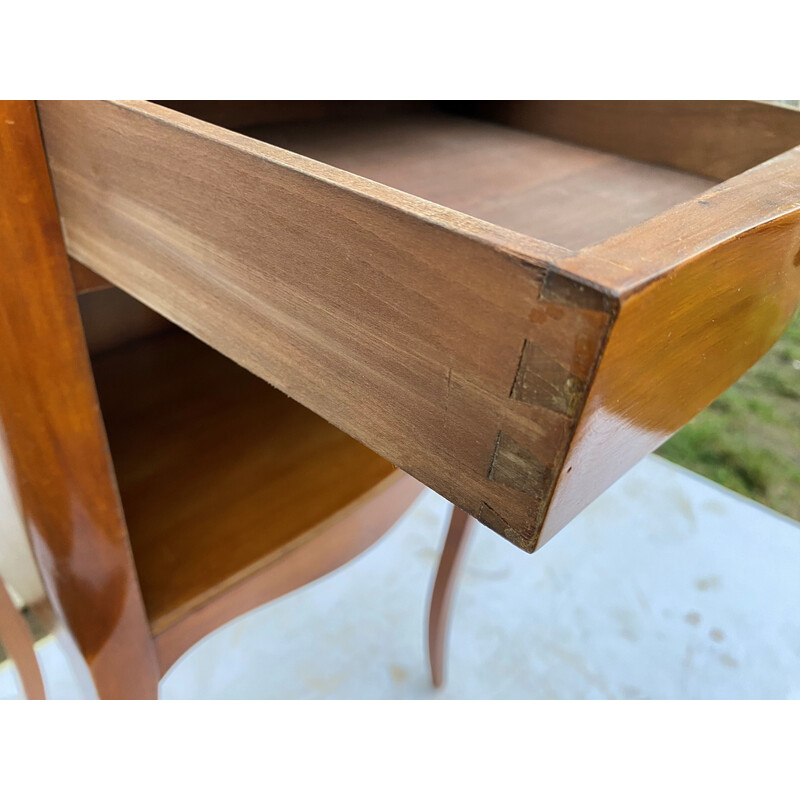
<point x="511" y="301"/>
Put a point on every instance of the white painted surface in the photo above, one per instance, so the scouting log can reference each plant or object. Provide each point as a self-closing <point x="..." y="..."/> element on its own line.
<point x="667" y="587"/>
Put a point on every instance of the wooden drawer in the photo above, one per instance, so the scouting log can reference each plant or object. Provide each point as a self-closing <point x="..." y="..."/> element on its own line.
<point x="512" y="301"/>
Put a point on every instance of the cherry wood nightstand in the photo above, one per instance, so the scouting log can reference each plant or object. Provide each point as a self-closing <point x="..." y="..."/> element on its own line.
<point x="294" y="314"/>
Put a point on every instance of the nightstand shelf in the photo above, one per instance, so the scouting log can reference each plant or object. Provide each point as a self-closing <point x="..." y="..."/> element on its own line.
<point x="219" y="473"/>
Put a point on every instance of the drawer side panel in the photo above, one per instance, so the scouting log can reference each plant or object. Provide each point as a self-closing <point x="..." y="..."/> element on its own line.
<point x="394" y="319"/>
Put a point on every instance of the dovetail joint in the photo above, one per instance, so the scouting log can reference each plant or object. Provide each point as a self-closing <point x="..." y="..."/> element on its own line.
<point x="542" y="381"/>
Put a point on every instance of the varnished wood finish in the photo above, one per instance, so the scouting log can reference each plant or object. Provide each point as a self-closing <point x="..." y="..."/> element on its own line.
<point x="455" y="546"/>
<point x="706" y="289"/>
<point x="219" y="473"/>
<point x="461" y="351"/>
<point x="52" y="434"/>
<point x="322" y="550"/>
<point x="565" y="194"/>
<point x="18" y="643"/>
<point x="717" y="139"/>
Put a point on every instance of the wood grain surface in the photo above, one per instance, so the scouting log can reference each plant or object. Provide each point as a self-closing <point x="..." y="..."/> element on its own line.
<point x="397" y="320"/>
<point x="706" y="290"/>
<point x="218" y="472"/>
<point x="52" y="433"/>
<point x="559" y="192"/>
<point x="459" y="350"/>
<point x="323" y="549"/>
<point x="717" y="139"/>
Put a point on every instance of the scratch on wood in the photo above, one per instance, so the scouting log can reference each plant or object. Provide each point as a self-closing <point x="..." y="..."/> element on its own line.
<point x="514" y="466"/>
<point x="491" y="519"/>
<point x="543" y="381"/>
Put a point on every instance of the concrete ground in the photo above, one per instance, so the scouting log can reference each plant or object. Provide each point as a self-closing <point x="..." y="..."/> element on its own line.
<point x="668" y="586"/>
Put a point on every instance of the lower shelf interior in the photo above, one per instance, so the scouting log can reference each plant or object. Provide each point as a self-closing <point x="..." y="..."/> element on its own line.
<point x="218" y="471"/>
<point x="562" y="193"/>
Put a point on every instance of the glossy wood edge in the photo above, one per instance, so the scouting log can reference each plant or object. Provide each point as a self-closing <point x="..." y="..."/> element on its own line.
<point x="52" y="432"/>
<point x="320" y="551"/>
<point x="19" y="645"/>
<point x="385" y="292"/>
<point x="628" y="262"/>
<point x="717" y="139"/>
<point x="706" y="289"/>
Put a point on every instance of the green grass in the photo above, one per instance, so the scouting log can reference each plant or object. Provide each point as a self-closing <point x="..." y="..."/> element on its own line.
<point x="749" y="438"/>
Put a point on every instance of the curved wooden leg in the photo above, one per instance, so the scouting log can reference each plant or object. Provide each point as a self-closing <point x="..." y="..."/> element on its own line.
<point x="452" y="553"/>
<point x="18" y="642"/>
<point x="52" y="435"/>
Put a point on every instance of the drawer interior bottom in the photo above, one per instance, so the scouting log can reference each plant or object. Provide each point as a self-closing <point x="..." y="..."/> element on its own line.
<point x="562" y="193"/>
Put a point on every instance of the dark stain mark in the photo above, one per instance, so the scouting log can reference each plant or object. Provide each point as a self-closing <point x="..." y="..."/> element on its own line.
<point x="692" y="618"/>
<point x="711" y="582"/>
<point x="796" y="260"/>
<point x="716" y="635"/>
<point x="542" y="381"/>
<point x="399" y="674"/>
